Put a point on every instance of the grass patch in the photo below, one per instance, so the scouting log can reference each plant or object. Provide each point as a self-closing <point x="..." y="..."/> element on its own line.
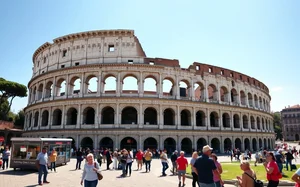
<point x="231" y="170"/>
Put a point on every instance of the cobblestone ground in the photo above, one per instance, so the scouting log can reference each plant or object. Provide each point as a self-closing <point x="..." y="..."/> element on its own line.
<point x="67" y="176"/>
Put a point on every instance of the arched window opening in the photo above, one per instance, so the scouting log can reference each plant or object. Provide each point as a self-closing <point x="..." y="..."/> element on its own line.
<point x="130" y="85"/>
<point x="89" y="116"/>
<point x="243" y="97"/>
<point x="212" y="93"/>
<point x="129" y="115"/>
<point x="258" y="123"/>
<point x="168" y="88"/>
<point x="40" y="91"/>
<point x="150" y="116"/>
<point x="234" y="96"/>
<point x="183" y="89"/>
<point x="224" y="94"/>
<point x="185" y="116"/>
<point x="252" y="120"/>
<point x="72" y="116"/>
<point x="199" y="90"/>
<point x="61" y="88"/>
<point x="169" y="117"/>
<point x="75" y="86"/>
<point x="250" y="100"/>
<point x="57" y="116"/>
<point x="45" y="117"/>
<point x="245" y="122"/>
<point x="200" y="119"/>
<point x="150" y="86"/>
<point x="36" y="119"/>
<point x="49" y="89"/>
<point x="214" y="121"/>
<point x="91" y="84"/>
<point x="226" y="120"/>
<point x="108" y="115"/>
<point x="236" y="121"/>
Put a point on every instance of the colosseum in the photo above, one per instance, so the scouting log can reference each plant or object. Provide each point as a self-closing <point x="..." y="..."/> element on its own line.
<point x="79" y="89"/>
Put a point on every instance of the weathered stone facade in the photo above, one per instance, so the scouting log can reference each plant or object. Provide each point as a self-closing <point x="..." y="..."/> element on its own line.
<point x="290" y="118"/>
<point x="220" y="107"/>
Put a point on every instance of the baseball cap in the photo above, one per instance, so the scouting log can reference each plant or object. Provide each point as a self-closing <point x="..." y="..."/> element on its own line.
<point x="206" y="148"/>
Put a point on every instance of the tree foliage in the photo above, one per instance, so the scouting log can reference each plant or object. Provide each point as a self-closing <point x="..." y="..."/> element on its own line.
<point x="20" y="119"/>
<point x="277" y="125"/>
<point x="8" y="91"/>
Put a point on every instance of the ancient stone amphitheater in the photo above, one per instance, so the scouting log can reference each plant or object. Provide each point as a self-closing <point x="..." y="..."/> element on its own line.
<point x="78" y="90"/>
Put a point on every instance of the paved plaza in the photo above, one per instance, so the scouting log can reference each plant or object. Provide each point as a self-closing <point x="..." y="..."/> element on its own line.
<point x="67" y="176"/>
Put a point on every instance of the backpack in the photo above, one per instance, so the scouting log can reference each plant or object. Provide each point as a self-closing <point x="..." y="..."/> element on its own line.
<point x="257" y="183"/>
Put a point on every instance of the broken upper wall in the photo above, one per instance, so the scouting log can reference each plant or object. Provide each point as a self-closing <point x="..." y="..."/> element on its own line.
<point x="92" y="47"/>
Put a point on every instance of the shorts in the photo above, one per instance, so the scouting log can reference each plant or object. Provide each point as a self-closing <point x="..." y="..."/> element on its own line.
<point x="140" y="161"/>
<point x="181" y="172"/>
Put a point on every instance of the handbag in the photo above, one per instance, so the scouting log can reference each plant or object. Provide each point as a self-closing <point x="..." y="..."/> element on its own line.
<point x="99" y="175"/>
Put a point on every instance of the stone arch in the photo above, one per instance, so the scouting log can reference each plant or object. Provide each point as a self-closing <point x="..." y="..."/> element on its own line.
<point x="215" y="144"/>
<point x="260" y="143"/>
<point x="45" y="118"/>
<point x="255" y="101"/>
<point x="57" y="117"/>
<point x="201" y="142"/>
<point x="226" y="120"/>
<point x="129" y="115"/>
<point x="252" y="121"/>
<point x="224" y="94"/>
<point x="238" y="143"/>
<point x="245" y="122"/>
<point x="49" y="89"/>
<point x="234" y="95"/>
<point x="109" y="84"/>
<point x="128" y="143"/>
<point x="297" y="137"/>
<point x="169" y="116"/>
<point x="87" y="142"/>
<point x="243" y="97"/>
<point x="168" y="84"/>
<point x="250" y="99"/>
<point x="258" y="123"/>
<point x="73" y="145"/>
<point x="227" y="144"/>
<point x="150" y="143"/>
<point x="75" y="82"/>
<point x="150" y="85"/>
<point x="186" y="145"/>
<point x="185" y="117"/>
<point x="40" y="91"/>
<point x="212" y="93"/>
<point x="61" y="87"/>
<point x="247" y="144"/>
<point x="130" y="84"/>
<point x="36" y="119"/>
<point x="72" y="116"/>
<point x="214" y="119"/>
<point x="150" y="116"/>
<point x="254" y="144"/>
<point x="106" y="142"/>
<point x="200" y="119"/>
<point x="170" y="145"/>
<point x="91" y="84"/>
<point x="89" y="115"/>
<point x="199" y="91"/>
<point x="108" y="115"/>
<point x="236" y="121"/>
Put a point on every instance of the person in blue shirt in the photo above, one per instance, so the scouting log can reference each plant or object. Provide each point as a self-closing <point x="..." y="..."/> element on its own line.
<point x="5" y="157"/>
<point x="205" y="168"/>
<point x="42" y="166"/>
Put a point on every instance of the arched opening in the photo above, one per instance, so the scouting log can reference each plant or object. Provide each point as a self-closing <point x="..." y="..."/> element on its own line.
<point x="201" y="143"/>
<point x="87" y="142"/>
<point x="150" y="143"/>
<point x="36" y="119"/>
<point x="89" y="116"/>
<point x="185" y="117"/>
<point x="107" y="142"/>
<point x="150" y="116"/>
<point x="130" y="85"/>
<point x="243" y="97"/>
<point x="170" y="145"/>
<point x="254" y="144"/>
<point x="72" y="116"/>
<point x="252" y="120"/>
<point x="73" y="143"/>
<point x="45" y="117"/>
<point x="129" y="143"/>
<point x="61" y="87"/>
<point x="33" y="94"/>
<point x="57" y="116"/>
<point x="212" y="93"/>
<point x="262" y="124"/>
<point x="29" y="120"/>
<point x="258" y="123"/>
<point x="226" y="120"/>
<point x="150" y="86"/>
<point x="169" y="117"/>
<point x="255" y="101"/>
<point x="224" y="94"/>
<point x="110" y="85"/>
<point x="236" y="121"/>
<point x="234" y="96"/>
<point x="265" y="144"/>
<point x="227" y="144"/>
<point x="214" y="119"/>
<point x="260" y="144"/>
<point x="186" y="146"/>
<point x="200" y="119"/>
<point x="245" y="122"/>
<point x="238" y="144"/>
<point x="108" y="115"/>
<point x="247" y="144"/>
<point x="260" y="103"/>
<point x="269" y="144"/>
<point x="129" y="115"/>
<point x="215" y="144"/>
<point x="184" y="88"/>
<point x="49" y="89"/>
<point x="75" y="86"/>
<point x="250" y="100"/>
<point x="168" y="87"/>
<point x="91" y="84"/>
<point x="40" y="91"/>
<point x="297" y="137"/>
<point x="199" y="90"/>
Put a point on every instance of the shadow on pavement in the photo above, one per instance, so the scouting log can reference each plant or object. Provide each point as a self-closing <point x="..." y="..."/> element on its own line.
<point x="32" y="185"/>
<point x="18" y="172"/>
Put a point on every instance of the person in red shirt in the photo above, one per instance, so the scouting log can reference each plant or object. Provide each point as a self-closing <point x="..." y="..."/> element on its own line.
<point x="182" y="163"/>
<point x="273" y="173"/>
<point x="139" y="158"/>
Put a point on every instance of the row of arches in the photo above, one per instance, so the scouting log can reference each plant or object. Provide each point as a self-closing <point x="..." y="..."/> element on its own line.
<point x="130" y="115"/>
<point x="150" y="85"/>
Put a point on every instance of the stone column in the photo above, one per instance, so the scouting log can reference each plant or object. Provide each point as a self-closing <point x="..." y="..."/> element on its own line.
<point x="78" y="125"/>
<point x="140" y="144"/>
<point x="141" y="85"/>
<point x="119" y="86"/>
<point x="161" y="120"/>
<point x="193" y="120"/>
<point x="177" y="88"/>
<point x="117" y="122"/>
<point x="96" y="141"/>
<point x="63" y="117"/>
<point x="40" y="119"/>
<point x="178" y="143"/>
<point x="77" y="141"/>
<point x="82" y="85"/>
<point x="159" y="87"/>
<point x="207" y="116"/>
<point x="222" y="144"/>
<point x="206" y="92"/>
<point x="97" y="116"/>
<point x="99" y="84"/>
<point x="160" y="143"/>
<point x="140" y="116"/>
<point x="178" y="118"/>
<point x="192" y="90"/>
<point x="117" y="142"/>
<point x="50" y="117"/>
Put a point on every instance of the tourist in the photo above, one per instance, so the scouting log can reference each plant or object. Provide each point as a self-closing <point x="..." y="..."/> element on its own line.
<point x="79" y="158"/>
<point x="148" y="158"/>
<point x="5" y="157"/>
<point x="296" y="178"/>
<point x="257" y="160"/>
<point x="129" y="163"/>
<point x="174" y="163"/>
<point x="248" y="175"/>
<point x="217" y="178"/>
<point x="164" y="162"/>
<point x="90" y="170"/>
<point x="139" y="159"/>
<point x="124" y="156"/>
<point x="107" y="158"/>
<point x="182" y="163"/>
<point x="288" y="157"/>
<point x="192" y="162"/>
<point x="115" y="160"/>
<point x="52" y="158"/>
<point x="205" y="168"/>
<point x="42" y="166"/>
<point x="273" y="173"/>
<point x="279" y="160"/>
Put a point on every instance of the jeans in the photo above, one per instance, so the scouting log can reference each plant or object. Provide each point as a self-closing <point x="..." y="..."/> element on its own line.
<point x="286" y="164"/>
<point x="273" y="183"/>
<point x="148" y="165"/>
<point x="280" y="167"/>
<point x="128" y="166"/>
<point x="218" y="184"/>
<point x="5" y="161"/>
<point x="90" y="183"/>
<point x="165" y="166"/>
<point x="123" y="169"/>
<point x="43" y="169"/>
<point x="207" y="185"/>
<point x="174" y="169"/>
<point x="195" y="179"/>
<point x="78" y="163"/>
<point x="52" y="166"/>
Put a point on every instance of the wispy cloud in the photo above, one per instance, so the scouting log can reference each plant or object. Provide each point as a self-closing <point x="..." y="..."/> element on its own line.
<point x="276" y="89"/>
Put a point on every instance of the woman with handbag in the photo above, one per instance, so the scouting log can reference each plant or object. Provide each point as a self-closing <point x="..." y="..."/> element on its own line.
<point x="248" y="177"/>
<point x="90" y="170"/>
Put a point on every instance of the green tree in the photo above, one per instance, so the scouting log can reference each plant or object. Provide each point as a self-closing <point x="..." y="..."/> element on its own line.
<point x="20" y="119"/>
<point x="277" y="125"/>
<point x="8" y="91"/>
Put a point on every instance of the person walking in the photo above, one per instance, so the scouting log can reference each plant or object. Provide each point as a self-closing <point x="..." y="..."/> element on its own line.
<point x="139" y="159"/>
<point x="288" y="157"/>
<point x="164" y="162"/>
<point x="79" y="158"/>
<point x="246" y="180"/>
<point x="115" y="160"/>
<point x="182" y="163"/>
<point x="279" y="160"/>
<point x="174" y="163"/>
<point x="129" y="163"/>
<point x="205" y="168"/>
<point x="124" y="156"/>
<point x="42" y="166"/>
<point x="52" y="158"/>
<point x="5" y="157"/>
<point x="195" y="176"/>
<point x="108" y="159"/>
<point x="272" y="170"/>
<point x="90" y="170"/>
<point x="148" y="157"/>
<point x="217" y="178"/>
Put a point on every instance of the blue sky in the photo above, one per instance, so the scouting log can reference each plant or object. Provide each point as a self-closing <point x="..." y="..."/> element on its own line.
<point x="258" y="38"/>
